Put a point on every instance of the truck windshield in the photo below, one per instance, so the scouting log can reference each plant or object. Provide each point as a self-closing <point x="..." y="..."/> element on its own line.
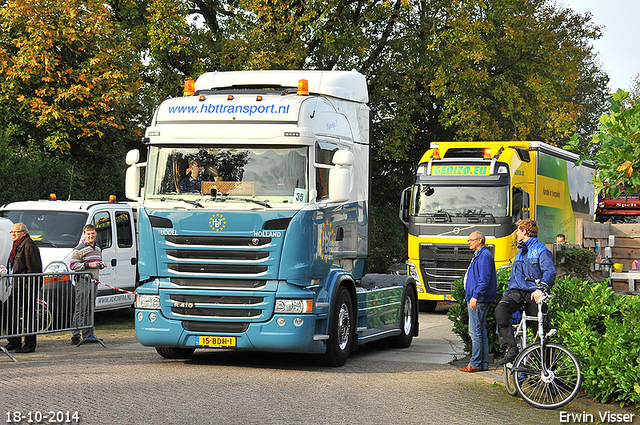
<point x="459" y="200"/>
<point x="266" y="174"/>
<point x="57" y="229"/>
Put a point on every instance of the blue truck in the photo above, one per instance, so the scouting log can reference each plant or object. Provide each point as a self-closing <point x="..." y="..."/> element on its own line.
<point x="253" y="220"/>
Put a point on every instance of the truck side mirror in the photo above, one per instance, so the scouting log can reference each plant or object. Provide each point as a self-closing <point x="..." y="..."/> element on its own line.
<point x="340" y="177"/>
<point x="405" y="200"/>
<point x="132" y="177"/>
<point x="133" y="156"/>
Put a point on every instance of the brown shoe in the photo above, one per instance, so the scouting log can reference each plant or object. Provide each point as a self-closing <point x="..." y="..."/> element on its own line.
<point x="469" y="368"/>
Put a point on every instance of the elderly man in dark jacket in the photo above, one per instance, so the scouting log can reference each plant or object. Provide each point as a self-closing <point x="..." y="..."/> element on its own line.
<point x="24" y="258"/>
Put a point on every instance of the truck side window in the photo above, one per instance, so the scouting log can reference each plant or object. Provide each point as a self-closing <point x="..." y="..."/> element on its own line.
<point x="324" y="155"/>
<point x="517" y="205"/>
<point x="123" y="227"/>
<point x="102" y="221"/>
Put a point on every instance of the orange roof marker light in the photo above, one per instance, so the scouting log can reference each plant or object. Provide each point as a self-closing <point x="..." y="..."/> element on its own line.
<point x="189" y="87"/>
<point x="487" y="153"/>
<point x="436" y="153"/>
<point x="112" y="198"/>
<point x="52" y="197"/>
<point x="303" y="88"/>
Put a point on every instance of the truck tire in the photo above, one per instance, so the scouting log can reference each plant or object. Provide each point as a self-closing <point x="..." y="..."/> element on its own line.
<point x="408" y="320"/>
<point x="175" y="352"/>
<point x="342" y="324"/>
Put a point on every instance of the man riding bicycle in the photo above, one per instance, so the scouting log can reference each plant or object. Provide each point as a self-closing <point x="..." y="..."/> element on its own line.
<point x="534" y="261"/>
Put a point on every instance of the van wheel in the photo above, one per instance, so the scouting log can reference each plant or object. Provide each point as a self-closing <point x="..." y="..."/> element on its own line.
<point x="175" y="353"/>
<point x="341" y="331"/>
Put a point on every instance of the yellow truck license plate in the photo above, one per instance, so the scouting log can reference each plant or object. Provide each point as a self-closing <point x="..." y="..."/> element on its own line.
<point x="216" y="341"/>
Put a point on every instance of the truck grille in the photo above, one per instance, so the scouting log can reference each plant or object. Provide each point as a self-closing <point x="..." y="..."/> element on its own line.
<point x="223" y="307"/>
<point x="220" y="256"/>
<point x="441" y="265"/>
<point x="215" y="327"/>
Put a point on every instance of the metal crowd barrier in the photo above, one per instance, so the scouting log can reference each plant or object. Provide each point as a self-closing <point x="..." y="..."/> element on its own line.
<point x="42" y="303"/>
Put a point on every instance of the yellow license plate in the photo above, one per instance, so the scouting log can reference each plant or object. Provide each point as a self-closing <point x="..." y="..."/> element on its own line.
<point x="216" y="341"/>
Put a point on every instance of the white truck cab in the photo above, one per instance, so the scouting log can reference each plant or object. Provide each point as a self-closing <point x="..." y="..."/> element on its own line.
<point x="56" y="227"/>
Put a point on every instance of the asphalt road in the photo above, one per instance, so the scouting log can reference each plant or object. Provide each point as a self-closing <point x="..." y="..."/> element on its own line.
<point x="127" y="383"/>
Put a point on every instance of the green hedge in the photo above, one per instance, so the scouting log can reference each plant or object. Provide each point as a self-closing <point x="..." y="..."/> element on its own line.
<point x="603" y="330"/>
<point x="600" y="327"/>
<point x="459" y="315"/>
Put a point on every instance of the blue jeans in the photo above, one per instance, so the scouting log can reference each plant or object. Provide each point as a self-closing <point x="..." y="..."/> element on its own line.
<point x="479" y="337"/>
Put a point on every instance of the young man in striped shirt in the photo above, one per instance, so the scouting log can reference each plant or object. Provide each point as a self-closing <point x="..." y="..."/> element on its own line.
<point x="86" y="256"/>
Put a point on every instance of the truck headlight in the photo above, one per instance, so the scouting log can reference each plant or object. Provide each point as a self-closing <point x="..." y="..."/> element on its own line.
<point x="294" y="306"/>
<point x="151" y="302"/>
<point x="413" y="272"/>
<point x="56" y="267"/>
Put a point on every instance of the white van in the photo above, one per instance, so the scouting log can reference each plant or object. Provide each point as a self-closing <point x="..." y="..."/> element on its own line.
<point x="56" y="227"/>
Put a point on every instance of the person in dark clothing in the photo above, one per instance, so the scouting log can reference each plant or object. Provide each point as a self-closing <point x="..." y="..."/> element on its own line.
<point x="193" y="182"/>
<point x="24" y="258"/>
<point x="534" y="261"/>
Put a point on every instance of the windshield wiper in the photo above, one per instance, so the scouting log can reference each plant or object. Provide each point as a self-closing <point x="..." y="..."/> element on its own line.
<point x="188" y="201"/>
<point x="442" y="216"/>
<point x="478" y="216"/>
<point x="264" y="204"/>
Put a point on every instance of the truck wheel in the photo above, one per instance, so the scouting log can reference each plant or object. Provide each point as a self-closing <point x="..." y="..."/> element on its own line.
<point x="175" y="353"/>
<point x="408" y="320"/>
<point x="428" y="306"/>
<point x="341" y="330"/>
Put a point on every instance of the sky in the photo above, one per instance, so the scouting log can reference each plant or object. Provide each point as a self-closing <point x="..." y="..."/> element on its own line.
<point x="619" y="45"/>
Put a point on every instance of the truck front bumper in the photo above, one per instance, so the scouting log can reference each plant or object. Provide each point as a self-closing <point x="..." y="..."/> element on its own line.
<point x="277" y="334"/>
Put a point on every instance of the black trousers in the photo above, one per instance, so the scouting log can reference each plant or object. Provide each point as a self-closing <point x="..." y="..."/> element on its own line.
<point x="513" y="301"/>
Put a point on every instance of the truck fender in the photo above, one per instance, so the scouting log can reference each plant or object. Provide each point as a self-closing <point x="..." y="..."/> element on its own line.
<point x="334" y="281"/>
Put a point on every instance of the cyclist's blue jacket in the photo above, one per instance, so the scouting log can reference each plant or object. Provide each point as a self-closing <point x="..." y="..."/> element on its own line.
<point x="480" y="281"/>
<point x="534" y="261"/>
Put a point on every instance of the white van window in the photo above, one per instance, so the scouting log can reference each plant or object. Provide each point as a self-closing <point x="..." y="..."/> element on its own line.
<point x="58" y="229"/>
<point x="123" y="226"/>
<point x="102" y="221"/>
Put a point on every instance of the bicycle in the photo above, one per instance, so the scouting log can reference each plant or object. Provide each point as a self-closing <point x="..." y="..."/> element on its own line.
<point x="546" y="374"/>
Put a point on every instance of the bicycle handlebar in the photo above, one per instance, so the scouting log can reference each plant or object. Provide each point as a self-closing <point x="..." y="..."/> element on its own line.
<point x="539" y="284"/>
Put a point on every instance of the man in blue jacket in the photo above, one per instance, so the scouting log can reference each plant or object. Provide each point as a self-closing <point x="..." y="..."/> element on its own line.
<point x="533" y="261"/>
<point x="481" y="286"/>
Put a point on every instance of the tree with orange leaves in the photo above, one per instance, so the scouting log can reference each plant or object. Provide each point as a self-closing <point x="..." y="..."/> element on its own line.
<point x="68" y="82"/>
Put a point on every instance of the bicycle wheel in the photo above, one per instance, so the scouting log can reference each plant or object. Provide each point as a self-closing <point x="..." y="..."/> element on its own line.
<point x="43" y="316"/>
<point x="555" y="389"/>
<point x="509" y="383"/>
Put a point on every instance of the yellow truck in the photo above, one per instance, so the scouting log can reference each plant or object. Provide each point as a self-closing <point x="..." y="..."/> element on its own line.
<point x="462" y="187"/>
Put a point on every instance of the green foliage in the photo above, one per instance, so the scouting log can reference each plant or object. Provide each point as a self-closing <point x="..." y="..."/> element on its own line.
<point x="618" y="148"/>
<point x="577" y="261"/>
<point x="387" y="237"/>
<point x="459" y="314"/>
<point x="600" y="327"/>
<point x="32" y="174"/>
<point x="602" y="330"/>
